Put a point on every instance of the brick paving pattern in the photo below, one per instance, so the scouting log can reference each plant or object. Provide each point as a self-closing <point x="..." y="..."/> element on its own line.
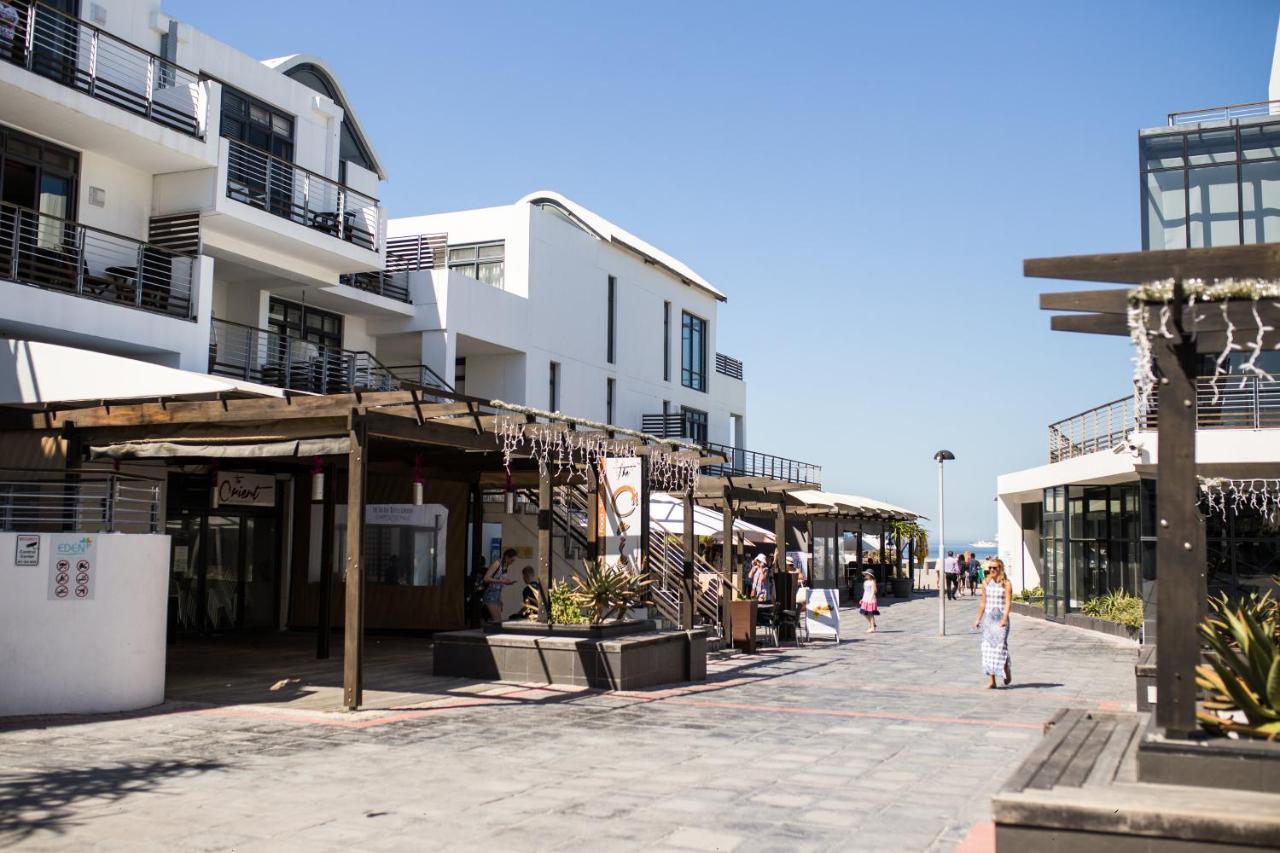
<point x="887" y="742"/>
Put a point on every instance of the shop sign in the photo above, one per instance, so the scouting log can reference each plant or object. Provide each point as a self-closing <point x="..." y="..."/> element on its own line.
<point x="401" y="515"/>
<point x="27" y="550"/>
<point x="73" y="561"/>
<point x="246" y="489"/>
<point x="620" y="511"/>
<point x="822" y="614"/>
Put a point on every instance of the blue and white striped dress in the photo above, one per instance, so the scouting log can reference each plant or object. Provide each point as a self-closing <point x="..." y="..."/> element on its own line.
<point x="995" y="639"/>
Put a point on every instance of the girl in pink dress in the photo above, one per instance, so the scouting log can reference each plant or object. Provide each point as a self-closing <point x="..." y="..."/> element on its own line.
<point x="867" y="607"/>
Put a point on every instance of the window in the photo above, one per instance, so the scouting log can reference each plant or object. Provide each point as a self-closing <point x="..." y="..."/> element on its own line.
<point x="608" y="400"/>
<point x="695" y="424"/>
<point x="693" y="352"/>
<point x="256" y="123"/>
<point x="611" y="320"/>
<point x="553" y="392"/>
<point x="40" y="176"/>
<point x="482" y="261"/>
<point x="666" y="341"/>
<point x="460" y="375"/>
<point x="305" y="323"/>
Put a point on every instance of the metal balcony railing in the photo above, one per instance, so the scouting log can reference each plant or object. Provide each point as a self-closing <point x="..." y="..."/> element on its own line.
<point x="749" y="463"/>
<point x="418" y="376"/>
<point x="64" y="48"/>
<point x="728" y="366"/>
<point x="283" y="189"/>
<point x="1233" y="111"/>
<point x="271" y="358"/>
<point x="671" y="425"/>
<point x="393" y="285"/>
<point x="85" y="501"/>
<point x="1229" y="402"/>
<point x="57" y="254"/>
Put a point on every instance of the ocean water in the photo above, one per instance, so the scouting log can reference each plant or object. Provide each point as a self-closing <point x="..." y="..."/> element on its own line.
<point x="966" y="546"/>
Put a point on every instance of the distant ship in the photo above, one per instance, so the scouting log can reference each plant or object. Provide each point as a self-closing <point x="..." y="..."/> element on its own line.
<point x="983" y="543"/>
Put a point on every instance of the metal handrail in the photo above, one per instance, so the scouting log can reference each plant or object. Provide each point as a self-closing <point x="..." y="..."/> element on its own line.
<point x="1225" y="113"/>
<point x="1227" y="402"/>
<point x="61" y="47"/>
<point x="750" y="463"/>
<point x="58" y="254"/>
<point x="419" y="374"/>
<point x="260" y="179"/>
<point x="81" y="500"/>
<point x="393" y="285"/>
<point x="271" y="358"/>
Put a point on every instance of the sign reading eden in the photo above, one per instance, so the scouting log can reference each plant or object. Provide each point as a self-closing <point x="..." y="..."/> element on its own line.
<point x="72" y="565"/>
<point x="246" y="489"/>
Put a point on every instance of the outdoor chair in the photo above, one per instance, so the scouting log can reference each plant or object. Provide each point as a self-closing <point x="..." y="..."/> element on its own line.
<point x="767" y="618"/>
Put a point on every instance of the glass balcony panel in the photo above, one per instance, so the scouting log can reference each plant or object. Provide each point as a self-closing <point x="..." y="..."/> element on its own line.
<point x="1207" y="147"/>
<point x="1260" y="142"/>
<point x="1260" y="191"/>
<point x="1160" y="152"/>
<point x="1214" y="212"/>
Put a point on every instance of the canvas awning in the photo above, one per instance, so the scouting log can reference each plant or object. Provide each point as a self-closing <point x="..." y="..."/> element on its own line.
<point x="666" y="513"/>
<point x="853" y="505"/>
<point x="297" y="448"/>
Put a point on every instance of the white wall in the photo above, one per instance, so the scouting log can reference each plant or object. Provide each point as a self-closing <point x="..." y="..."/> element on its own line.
<point x="85" y="656"/>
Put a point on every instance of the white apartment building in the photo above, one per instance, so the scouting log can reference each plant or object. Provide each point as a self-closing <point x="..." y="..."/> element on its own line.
<point x="1084" y="524"/>
<point x="170" y="199"/>
<point x="548" y="304"/>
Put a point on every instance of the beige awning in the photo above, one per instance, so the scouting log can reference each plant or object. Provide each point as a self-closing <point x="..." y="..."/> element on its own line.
<point x="853" y="505"/>
<point x="254" y="450"/>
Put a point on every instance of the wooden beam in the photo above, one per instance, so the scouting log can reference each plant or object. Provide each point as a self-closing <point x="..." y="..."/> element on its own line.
<point x="1092" y="324"/>
<point x="328" y="507"/>
<point x="353" y="647"/>
<point x="646" y="521"/>
<point x="728" y="571"/>
<point x="451" y="434"/>
<point x="688" y="587"/>
<point x="1255" y="260"/>
<point x="1180" y="546"/>
<point x="1112" y="301"/>
<point x="595" y="513"/>
<point x="546" y="498"/>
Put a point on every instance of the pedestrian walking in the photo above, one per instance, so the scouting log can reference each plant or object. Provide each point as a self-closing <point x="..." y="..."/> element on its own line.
<point x="971" y="568"/>
<point x="993" y="621"/>
<point x="868" y="606"/>
<point x="495" y="578"/>
<point x="951" y="570"/>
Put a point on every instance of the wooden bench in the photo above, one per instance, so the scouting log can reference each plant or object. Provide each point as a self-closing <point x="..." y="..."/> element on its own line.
<point x="1078" y="791"/>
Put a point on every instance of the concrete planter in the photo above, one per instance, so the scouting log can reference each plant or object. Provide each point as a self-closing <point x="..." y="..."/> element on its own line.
<point x="901" y="587"/>
<point x="626" y="662"/>
<point x="1035" y="611"/>
<point x="1102" y="626"/>
<point x="1211" y="762"/>
<point x="613" y="628"/>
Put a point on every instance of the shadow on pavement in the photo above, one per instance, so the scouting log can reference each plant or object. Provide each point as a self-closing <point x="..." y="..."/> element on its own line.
<point x="44" y="800"/>
<point x="1033" y="685"/>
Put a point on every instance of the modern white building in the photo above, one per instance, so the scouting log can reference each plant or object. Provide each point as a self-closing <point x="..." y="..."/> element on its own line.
<point x="548" y="304"/>
<point x="168" y="198"/>
<point x="1084" y="523"/>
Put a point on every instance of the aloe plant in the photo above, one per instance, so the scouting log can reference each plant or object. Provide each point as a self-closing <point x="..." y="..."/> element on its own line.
<point x="565" y="609"/>
<point x="1242" y="676"/>
<point x="605" y="591"/>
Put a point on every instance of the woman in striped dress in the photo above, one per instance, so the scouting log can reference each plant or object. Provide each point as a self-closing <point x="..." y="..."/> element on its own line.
<point x="993" y="620"/>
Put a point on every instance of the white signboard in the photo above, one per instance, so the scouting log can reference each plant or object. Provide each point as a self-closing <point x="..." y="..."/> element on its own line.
<point x="72" y="566"/>
<point x="822" y="614"/>
<point x="27" y="550"/>
<point x="246" y="489"/>
<point x="620" y="511"/>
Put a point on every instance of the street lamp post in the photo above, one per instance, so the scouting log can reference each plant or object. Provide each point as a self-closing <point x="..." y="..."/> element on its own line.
<point x="940" y="457"/>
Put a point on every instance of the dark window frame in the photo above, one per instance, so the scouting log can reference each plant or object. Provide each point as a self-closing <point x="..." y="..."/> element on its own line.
<point x="271" y="140"/>
<point x="553" y="389"/>
<point x="42" y="165"/>
<point x="693" y="375"/>
<point x="666" y="341"/>
<point x="612" y="321"/>
<point x="695" y="424"/>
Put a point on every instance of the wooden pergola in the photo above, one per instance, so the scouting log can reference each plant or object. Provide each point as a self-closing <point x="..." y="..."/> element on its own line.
<point x="455" y="432"/>
<point x="1185" y="333"/>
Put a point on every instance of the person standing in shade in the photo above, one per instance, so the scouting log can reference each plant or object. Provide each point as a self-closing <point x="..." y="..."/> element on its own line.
<point x="993" y="620"/>
<point x="495" y="578"/>
<point x="868" y="606"/>
<point x="761" y="581"/>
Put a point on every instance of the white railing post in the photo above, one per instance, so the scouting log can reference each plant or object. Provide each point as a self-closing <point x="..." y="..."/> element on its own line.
<point x="151" y="83"/>
<point x="342" y="214"/>
<point x="93" y="62"/>
<point x="30" y="35"/>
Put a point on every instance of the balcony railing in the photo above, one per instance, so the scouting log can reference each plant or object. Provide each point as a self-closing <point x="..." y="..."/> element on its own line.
<point x="60" y="47"/>
<point x="57" y="254"/>
<point x="1230" y="402"/>
<point x="87" y="501"/>
<point x="270" y="358"/>
<point x="749" y="463"/>
<point x="1256" y="108"/>
<point x="418" y="376"/>
<point x="282" y="189"/>
<point x="728" y="366"/>
<point x="393" y="285"/>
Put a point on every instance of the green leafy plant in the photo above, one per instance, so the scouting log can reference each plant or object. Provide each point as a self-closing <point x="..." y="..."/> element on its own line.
<point x="606" y="592"/>
<point x="910" y="531"/>
<point x="565" y="609"/>
<point x="1242" y="676"/>
<point x="1026" y="596"/>
<point x="1119" y="607"/>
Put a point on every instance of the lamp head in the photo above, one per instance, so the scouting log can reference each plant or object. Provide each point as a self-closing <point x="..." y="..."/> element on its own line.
<point x="944" y="456"/>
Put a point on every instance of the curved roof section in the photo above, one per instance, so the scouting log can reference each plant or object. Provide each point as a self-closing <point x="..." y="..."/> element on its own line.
<point x="854" y="505"/>
<point x="284" y="64"/>
<point x="606" y="230"/>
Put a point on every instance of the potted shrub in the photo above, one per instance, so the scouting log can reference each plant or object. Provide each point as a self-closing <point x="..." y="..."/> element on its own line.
<point x="1242" y="676"/>
<point x="909" y="531"/>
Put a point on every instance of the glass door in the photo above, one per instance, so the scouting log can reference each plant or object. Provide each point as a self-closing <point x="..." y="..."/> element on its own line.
<point x="1053" y="543"/>
<point x="222" y="570"/>
<point x="257" y="576"/>
<point x="184" y="575"/>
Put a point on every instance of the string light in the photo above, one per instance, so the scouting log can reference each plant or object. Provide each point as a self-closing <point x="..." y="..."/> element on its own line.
<point x="1220" y="494"/>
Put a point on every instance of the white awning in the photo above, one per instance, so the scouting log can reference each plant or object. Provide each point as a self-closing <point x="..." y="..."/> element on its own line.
<point x="294" y="448"/>
<point x="842" y="504"/>
<point x="666" y="513"/>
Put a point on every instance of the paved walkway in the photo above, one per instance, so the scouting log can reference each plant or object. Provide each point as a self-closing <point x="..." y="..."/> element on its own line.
<point x="888" y="742"/>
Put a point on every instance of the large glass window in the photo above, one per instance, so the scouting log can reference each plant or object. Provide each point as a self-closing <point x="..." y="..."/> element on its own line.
<point x="611" y="319"/>
<point x="693" y="352"/>
<point x="305" y="323"/>
<point x="485" y="262"/>
<point x="256" y="123"/>
<point x="695" y="424"/>
<point x="37" y="175"/>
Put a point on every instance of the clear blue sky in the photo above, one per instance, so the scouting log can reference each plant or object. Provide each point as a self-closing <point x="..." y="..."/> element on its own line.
<point x="862" y="179"/>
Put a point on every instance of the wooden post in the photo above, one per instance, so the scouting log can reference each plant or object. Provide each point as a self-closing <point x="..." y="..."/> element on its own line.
<point x="689" y="587"/>
<point x="353" y="648"/>
<point x="1180" y="548"/>
<point x="645" y="492"/>
<point x="853" y="588"/>
<point x="546" y="494"/>
<point x="911" y="560"/>
<point x="884" y="559"/>
<point x="328" y="508"/>
<point x="477" y="528"/>
<point x="780" y="535"/>
<point x="726" y="571"/>
<point x="593" y="514"/>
